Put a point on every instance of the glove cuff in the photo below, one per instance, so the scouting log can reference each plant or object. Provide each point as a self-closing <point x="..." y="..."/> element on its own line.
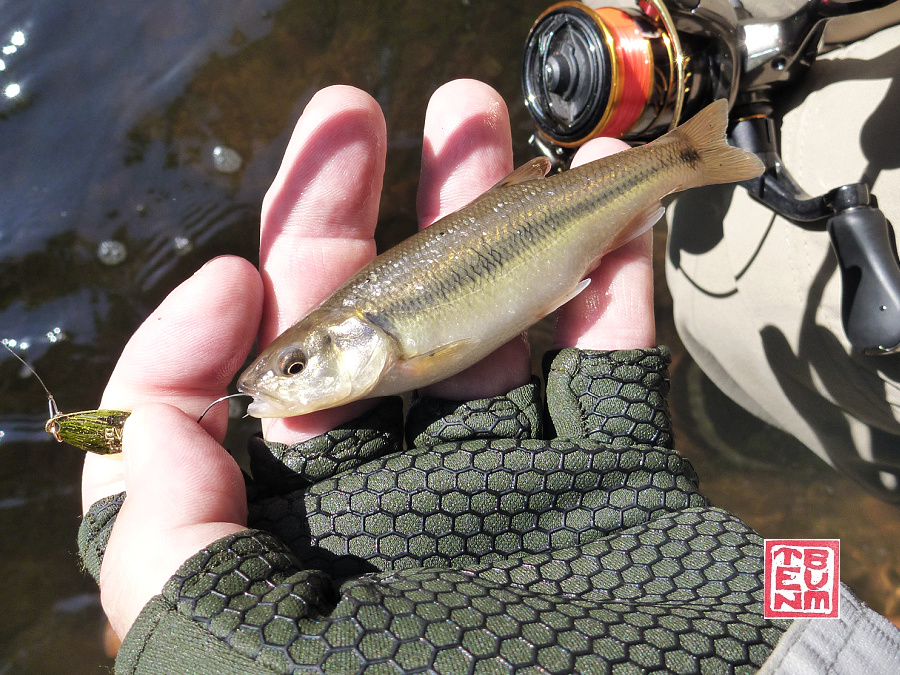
<point x="614" y="397"/>
<point x="514" y="415"/>
<point x="239" y="605"/>
<point x="94" y="531"/>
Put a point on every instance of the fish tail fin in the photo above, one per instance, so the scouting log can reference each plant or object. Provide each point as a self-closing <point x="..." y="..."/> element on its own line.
<point x="718" y="161"/>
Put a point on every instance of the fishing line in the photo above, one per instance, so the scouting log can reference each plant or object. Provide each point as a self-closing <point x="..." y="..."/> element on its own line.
<point x="54" y="410"/>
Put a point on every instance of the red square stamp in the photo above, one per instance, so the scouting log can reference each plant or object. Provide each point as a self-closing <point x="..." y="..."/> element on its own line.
<point x="802" y="578"/>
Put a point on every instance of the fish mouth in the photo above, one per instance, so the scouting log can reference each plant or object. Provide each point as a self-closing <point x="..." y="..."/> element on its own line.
<point x="263" y="404"/>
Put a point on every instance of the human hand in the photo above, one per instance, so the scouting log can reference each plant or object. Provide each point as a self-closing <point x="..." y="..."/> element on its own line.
<point x="184" y="491"/>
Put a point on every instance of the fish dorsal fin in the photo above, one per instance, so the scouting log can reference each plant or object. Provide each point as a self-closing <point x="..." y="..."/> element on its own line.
<point x="532" y="170"/>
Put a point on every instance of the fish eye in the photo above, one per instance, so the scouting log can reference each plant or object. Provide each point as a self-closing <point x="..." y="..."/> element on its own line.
<point x="292" y="361"/>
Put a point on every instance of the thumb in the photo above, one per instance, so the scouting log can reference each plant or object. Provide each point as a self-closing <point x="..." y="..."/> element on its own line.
<point x="183" y="492"/>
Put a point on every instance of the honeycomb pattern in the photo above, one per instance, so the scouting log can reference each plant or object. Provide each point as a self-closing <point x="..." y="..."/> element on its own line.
<point x="433" y="421"/>
<point x="483" y="548"/>
<point x="281" y="467"/>
<point x="461" y="503"/>
<point x="614" y="397"/>
<point x="672" y="596"/>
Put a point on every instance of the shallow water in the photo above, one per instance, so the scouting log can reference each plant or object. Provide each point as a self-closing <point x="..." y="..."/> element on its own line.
<point x="139" y="144"/>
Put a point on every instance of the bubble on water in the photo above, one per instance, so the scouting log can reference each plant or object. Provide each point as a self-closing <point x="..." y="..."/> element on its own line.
<point x="56" y="335"/>
<point x="22" y="345"/>
<point x="112" y="252"/>
<point x="183" y="245"/>
<point x="226" y="160"/>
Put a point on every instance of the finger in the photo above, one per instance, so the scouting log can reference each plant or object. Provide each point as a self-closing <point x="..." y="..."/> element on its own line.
<point x="616" y="310"/>
<point x="184" y="354"/>
<point x="467" y="150"/>
<point x="318" y="221"/>
<point x="319" y="215"/>
<point x="188" y="350"/>
<point x="467" y="147"/>
<point x="184" y="492"/>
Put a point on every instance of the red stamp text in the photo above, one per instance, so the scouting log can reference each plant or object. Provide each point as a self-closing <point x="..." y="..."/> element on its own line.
<point x="802" y="578"/>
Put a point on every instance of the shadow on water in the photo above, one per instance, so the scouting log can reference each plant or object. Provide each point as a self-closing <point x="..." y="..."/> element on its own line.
<point x="137" y="140"/>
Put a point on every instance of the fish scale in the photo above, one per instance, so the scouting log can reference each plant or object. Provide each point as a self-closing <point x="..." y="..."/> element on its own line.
<point x="516" y="227"/>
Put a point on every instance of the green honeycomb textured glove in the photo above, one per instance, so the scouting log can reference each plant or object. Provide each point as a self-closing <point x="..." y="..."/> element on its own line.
<point x="502" y="538"/>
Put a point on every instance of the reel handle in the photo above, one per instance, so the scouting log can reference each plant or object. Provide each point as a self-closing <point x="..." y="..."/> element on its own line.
<point x="870" y="276"/>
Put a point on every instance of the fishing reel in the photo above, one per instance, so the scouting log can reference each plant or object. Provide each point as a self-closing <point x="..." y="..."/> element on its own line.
<point x="634" y="69"/>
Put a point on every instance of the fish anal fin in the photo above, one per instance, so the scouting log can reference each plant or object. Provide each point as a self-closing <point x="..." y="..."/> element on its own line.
<point x="642" y="221"/>
<point x="584" y="283"/>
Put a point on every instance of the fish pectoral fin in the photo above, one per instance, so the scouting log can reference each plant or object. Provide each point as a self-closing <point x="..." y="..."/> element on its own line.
<point x="423" y="365"/>
<point x="584" y="283"/>
<point x="642" y="221"/>
<point x="534" y="169"/>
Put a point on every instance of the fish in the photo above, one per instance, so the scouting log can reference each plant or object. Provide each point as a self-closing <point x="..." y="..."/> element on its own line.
<point x="443" y="299"/>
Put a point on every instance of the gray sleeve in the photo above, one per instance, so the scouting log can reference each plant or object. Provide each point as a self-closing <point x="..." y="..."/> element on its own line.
<point x="860" y="642"/>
